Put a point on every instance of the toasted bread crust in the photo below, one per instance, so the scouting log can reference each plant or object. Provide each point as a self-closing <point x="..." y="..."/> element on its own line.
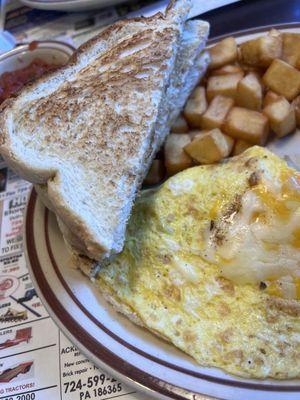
<point x="67" y="148"/>
<point x="103" y="35"/>
<point x="81" y="50"/>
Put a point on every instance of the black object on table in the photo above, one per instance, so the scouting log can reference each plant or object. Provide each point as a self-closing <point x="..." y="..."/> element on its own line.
<point x="247" y="14"/>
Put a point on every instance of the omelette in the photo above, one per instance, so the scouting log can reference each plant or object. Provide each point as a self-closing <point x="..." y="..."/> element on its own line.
<point x="211" y="264"/>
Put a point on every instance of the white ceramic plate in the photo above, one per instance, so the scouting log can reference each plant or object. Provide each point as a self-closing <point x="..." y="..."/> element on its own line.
<point x="114" y="343"/>
<point x="70" y="5"/>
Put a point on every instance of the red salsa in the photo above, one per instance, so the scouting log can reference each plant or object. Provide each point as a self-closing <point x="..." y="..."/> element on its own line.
<point x="11" y="82"/>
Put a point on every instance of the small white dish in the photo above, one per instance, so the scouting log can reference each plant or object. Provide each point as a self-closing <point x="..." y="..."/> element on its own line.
<point x="7" y="41"/>
<point x="50" y="51"/>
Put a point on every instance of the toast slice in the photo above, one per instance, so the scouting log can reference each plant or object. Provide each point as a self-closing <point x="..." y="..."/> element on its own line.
<point x="87" y="132"/>
<point x="191" y="64"/>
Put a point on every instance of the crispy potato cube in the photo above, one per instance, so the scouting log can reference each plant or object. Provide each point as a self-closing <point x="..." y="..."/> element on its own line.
<point x="175" y="157"/>
<point x="296" y="105"/>
<point x="225" y="85"/>
<point x="262" y="51"/>
<point x="215" y="115"/>
<point x="270" y="98"/>
<point x="291" y="48"/>
<point x="156" y="173"/>
<point x="195" y="107"/>
<point x="249" y="92"/>
<point x="224" y="52"/>
<point x="248" y="125"/>
<point x="196" y="132"/>
<point x="160" y="154"/>
<point x="274" y="32"/>
<point x="281" y="117"/>
<point x="283" y="79"/>
<point x="259" y="71"/>
<point x="227" y="69"/>
<point x="210" y="147"/>
<point x="240" y="146"/>
<point x="180" y="125"/>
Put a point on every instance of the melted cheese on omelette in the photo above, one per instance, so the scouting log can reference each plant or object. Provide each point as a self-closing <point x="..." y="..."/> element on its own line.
<point x="262" y="240"/>
<point x="211" y="264"/>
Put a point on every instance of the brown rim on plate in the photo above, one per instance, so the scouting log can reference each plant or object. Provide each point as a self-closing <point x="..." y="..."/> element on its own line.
<point x="148" y="356"/>
<point x="113" y="361"/>
<point x="87" y="341"/>
<point x="75" y="329"/>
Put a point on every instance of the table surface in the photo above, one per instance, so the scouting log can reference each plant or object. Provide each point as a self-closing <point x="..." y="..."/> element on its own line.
<point x="245" y="14"/>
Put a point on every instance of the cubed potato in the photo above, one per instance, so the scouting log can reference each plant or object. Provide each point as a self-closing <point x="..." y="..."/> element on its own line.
<point x="261" y="51"/>
<point x="274" y="32"/>
<point x="156" y="173"/>
<point x="281" y="116"/>
<point x="249" y="92"/>
<point x="291" y="48"/>
<point x="216" y="112"/>
<point x="196" y="132"/>
<point x="227" y="69"/>
<point x="270" y="97"/>
<point x="160" y="154"/>
<point x="225" y="85"/>
<point x="224" y="52"/>
<point x="240" y="146"/>
<point x="209" y="148"/>
<point x="175" y="157"/>
<point x="258" y="71"/>
<point x="180" y="125"/>
<point x="195" y="107"/>
<point x="283" y="79"/>
<point x="296" y="105"/>
<point x="248" y="125"/>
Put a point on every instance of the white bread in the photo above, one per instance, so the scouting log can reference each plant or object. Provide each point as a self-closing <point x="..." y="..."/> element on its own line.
<point x="190" y="65"/>
<point x="193" y="64"/>
<point x="87" y="132"/>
